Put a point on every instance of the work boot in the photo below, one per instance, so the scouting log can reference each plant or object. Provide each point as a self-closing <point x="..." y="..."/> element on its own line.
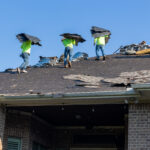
<point x="69" y="64"/>
<point x="65" y="66"/>
<point x="18" y="70"/>
<point x="24" y="71"/>
<point x="104" y="58"/>
<point x="97" y="59"/>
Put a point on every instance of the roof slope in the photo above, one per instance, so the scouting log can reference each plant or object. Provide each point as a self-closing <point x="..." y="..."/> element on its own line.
<point x="52" y="79"/>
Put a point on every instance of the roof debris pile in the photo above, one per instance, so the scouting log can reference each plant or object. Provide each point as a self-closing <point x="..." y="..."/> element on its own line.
<point x="53" y="61"/>
<point x="76" y="57"/>
<point x="11" y="70"/>
<point x="135" y="49"/>
<point x="47" y="61"/>
<point x="79" y="56"/>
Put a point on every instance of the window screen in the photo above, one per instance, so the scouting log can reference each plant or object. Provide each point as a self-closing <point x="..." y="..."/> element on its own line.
<point x="14" y="144"/>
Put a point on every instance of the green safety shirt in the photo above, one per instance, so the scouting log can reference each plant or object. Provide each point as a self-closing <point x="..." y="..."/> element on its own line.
<point x="69" y="42"/>
<point x="26" y="47"/>
<point x="100" y="40"/>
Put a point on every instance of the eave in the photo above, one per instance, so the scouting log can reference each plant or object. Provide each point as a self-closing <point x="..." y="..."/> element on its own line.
<point x="86" y="98"/>
<point x="138" y="93"/>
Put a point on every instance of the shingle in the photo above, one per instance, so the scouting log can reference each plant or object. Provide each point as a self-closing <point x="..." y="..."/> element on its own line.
<point x="50" y="80"/>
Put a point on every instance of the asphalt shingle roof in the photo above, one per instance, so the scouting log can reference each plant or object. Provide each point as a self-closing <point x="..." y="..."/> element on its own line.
<point x="51" y="79"/>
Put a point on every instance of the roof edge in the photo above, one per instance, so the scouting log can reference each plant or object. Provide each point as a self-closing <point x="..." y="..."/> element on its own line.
<point x="82" y="98"/>
<point x="128" y="92"/>
<point x="141" y="86"/>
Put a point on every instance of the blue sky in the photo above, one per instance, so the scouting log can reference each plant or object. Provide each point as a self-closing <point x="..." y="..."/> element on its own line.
<point x="128" y="20"/>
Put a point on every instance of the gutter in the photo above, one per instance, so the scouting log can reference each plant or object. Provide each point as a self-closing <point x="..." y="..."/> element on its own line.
<point x="145" y="86"/>
<point x="81" y="98"/>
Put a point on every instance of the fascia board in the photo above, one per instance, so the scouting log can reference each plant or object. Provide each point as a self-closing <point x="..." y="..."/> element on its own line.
<point x="70" y="98"/>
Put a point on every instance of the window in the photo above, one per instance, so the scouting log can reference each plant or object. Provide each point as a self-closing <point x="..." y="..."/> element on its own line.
<point x="14" y="144"/>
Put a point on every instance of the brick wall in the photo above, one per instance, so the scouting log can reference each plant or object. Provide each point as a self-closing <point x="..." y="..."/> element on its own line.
<point x="17" y="125"/>
<point x="40" y="133"/>
<point x="31" y="128"/>
<point x="2" y="124"/>
<point x="27" y="128"/>
<point x="139" y="127"/>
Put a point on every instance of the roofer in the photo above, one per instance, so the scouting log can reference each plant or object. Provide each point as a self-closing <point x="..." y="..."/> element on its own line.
<point x="68" y="43"/>
<point x="26" y="49"/>
<point x="100" y="43"/>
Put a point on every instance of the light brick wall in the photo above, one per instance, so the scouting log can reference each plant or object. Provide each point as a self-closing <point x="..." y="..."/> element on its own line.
<point x="2" y="124"/>
<point x="139" y="127"/>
